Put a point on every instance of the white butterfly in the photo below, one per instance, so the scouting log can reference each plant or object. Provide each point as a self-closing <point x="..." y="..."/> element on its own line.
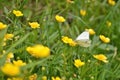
<point x="83" y="39"/>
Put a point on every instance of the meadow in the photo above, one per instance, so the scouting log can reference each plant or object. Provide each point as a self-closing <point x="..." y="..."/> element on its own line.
<point x="38" y="40"/>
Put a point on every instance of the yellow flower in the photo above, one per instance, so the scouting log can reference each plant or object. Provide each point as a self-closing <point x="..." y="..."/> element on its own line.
<point x="34" y="25"/>
<point x="78" y="63"/>
<point x="65" y="39"/>
<point x="72" y="43"/>
<point x="69" y="41"/>
<point x="17" y="13"/>
<point x="60" y="18"/>
<point x="19" y="63"/>
<point x="33" y="77"/>
<point x="82" y="12"/>
<point x="8" y="36"/>
<point x="111" y="2"/>
<point x="10" y="69"/>
<point x="56" y="78"/>
<point x="2" y="26"/>
<point x="104" y="39"/>
<point x="39" y="51"/>
<point x="9" y="56"/>
<point x="91" y="31"/>
<point x="44" y="78"/>
<point x="101" y="57"/>
<point x="108" y="23"/>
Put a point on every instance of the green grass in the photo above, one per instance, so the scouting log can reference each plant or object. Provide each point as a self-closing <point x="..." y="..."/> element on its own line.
<point x="61" y="61"/>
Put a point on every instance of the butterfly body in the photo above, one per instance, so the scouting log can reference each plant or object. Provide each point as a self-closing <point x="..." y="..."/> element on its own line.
<point x="83" y="39"/>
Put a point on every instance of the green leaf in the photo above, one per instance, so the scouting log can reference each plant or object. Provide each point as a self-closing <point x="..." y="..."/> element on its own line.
<point x="2" y="34"/>
<point x="30" y="65"/>
<point x="106" y="47"/>
<point x="2" y="60"/>
<point x="6" y="11"/>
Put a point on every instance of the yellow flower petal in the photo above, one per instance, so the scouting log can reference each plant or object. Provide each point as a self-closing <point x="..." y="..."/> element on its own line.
<point x="101" y="57"/>
<point x="8" y="36"/>
<point x="19" y="63"/>
<point x="60" y="18"/>
<point x="56" y="78"/>
<point x="91" y="31"/>
<point x="10" y="55"/>
<point x="69" y="41"/>
<point x="78" y="63"/>
<point x="10" y="69"/>
<point x="108" y="23"/>
<point x="17" y="13"/>
<point x="33" y="77"/>
<point x="39" y="51"/>
<point x="44" y="78"/>
<point x="34" y="25"/>
<point x="82" y="12"/>
<point x="104" y="39"/>
<point x="2" y="26"/>
<point x="111" y="2"/>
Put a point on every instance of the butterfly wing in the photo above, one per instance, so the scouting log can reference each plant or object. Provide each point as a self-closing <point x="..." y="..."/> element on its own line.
<point x="83" y="36"/>
<point x="82" y="43"/>
<point x="83" y="39"/>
